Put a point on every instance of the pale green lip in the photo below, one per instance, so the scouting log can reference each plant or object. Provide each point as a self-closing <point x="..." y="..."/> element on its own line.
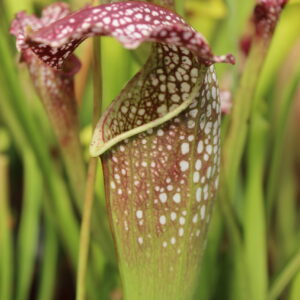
<point x="98" y="146"/>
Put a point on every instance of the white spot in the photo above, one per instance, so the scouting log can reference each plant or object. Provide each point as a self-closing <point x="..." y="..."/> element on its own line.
<point x="191" y="124"/>
<point x="193" y="113"/>
<point x="173" y="240"/>
<point x="106" y="20"/>
<point x="139" y="214"/>
<point x="124" y="109"/>
<point x="194" y="72"/>
<point x="173" y="216"/>
<point x="161" y="97"/>
<point x="177" y="198"/>
<point x="208" y="127"/>
<point x="85" y="25"/>
<point x="185" y="148"/>
<point x="198" y="164"/>
<point x="175" y="98"/>
<point x="190" y="138"/>
<point x="195" y="218"/>
<point x="113" y="185"/>
<point x="216" y="140"/>
<point x="214" y="92"/>
<point x="115" y="22"/>
<point x="171" y="87"/>
<point x="209" y="149"/>
<point x="163" y="197"/>
<point x="170" y="187"/>
<point x="200" y="147"/>
<point x="184" y="165"/>
<point x="217" y="182"/>
<point x="208" y="172"/>
<point x="140" y="240"/>
<point x="185" y="87"/>
<point x="141" y="111"/>
<point x="187" y="35"/>
<point x="205" y="195"/>
<point x="182" y="220"/>
<point x="162" y="109"/>
<point x="155" y="81"/>
<point x="165" y="244"/>
<point x="181" y="231"/>
<point x="196" y="177"/>
<point x="162" y="88"/>
<point x="160" y="132"/>
<point x="162" y="220"/>
<point x="202" y="212"/>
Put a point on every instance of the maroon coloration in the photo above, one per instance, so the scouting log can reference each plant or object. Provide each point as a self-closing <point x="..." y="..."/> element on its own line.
<point x="245" y="44"/>
<point x="55" y="88"/>
<point x="266" y="15"/>
<point x="132" y="23"/>
<point x="23" y="24"/>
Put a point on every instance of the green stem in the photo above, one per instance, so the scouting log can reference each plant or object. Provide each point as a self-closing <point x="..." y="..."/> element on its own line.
<point x="6" y="246"/>
<point x="295" y="288"/>
<point x="89" y="195"/>
<point x="232" y="154"/>
<point x="279" y="139"/>
<point x="46" y="285"/>
<point x="255" y="232"/>
<point x="29" y="225"/>
<point x="231" y="219"/>
<point x="243" y="104"/>
<point x="285" y="205"/>
<point x="240" y="279"/>
<point x="234" y="147"/>
<point x="286" y="275"/>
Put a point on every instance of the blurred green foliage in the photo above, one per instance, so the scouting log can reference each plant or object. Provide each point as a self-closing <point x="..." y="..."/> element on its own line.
<point x="39" y="227"/>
